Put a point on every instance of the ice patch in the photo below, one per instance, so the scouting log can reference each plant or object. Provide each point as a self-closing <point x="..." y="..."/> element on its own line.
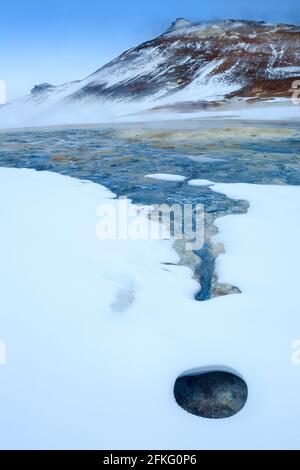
<point x="200" y="182"/>
<point x="166" y="177"/>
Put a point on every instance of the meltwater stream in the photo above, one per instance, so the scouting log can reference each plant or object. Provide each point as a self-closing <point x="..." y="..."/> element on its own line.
<point x="119" y="158"/>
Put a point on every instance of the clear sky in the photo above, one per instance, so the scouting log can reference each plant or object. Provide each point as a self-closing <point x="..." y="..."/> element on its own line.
<point x="61" y="40"/>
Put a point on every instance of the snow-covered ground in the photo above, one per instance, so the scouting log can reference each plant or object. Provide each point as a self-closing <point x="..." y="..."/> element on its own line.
<point x="82" y="373"/>
<point x="166" y="177"/>
<point x="200" y="183"/>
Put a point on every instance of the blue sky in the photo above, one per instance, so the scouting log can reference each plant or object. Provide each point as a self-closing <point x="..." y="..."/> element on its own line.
<point x="62" y="40"/>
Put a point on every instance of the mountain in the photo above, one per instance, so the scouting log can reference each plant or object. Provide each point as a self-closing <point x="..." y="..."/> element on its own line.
<point x="189" y="67"/>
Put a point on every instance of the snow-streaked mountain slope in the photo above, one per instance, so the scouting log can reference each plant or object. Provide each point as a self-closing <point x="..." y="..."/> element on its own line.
<point x="233" y="55"/>
<point x="190" y="63"/>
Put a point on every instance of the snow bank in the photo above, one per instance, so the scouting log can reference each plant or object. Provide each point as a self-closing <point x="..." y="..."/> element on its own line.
<point x="200" y="182"/>
<point x="80" y="374"/>
<point x="166" y="177"/>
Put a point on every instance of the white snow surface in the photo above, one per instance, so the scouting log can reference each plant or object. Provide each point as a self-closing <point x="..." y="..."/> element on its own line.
<point x="205" y="86"/>
<point x="200" y="182"/>
<point x="121" y="71"/>
<point x="81" y="375"/>
<point x="281" y="72"/>
<point x="166" y="177"/>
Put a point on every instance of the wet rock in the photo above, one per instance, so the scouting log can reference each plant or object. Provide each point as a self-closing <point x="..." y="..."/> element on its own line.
<point x="214" y="395"/>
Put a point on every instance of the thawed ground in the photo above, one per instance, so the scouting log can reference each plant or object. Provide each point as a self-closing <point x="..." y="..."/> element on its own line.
<point x="97" y="332"/>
